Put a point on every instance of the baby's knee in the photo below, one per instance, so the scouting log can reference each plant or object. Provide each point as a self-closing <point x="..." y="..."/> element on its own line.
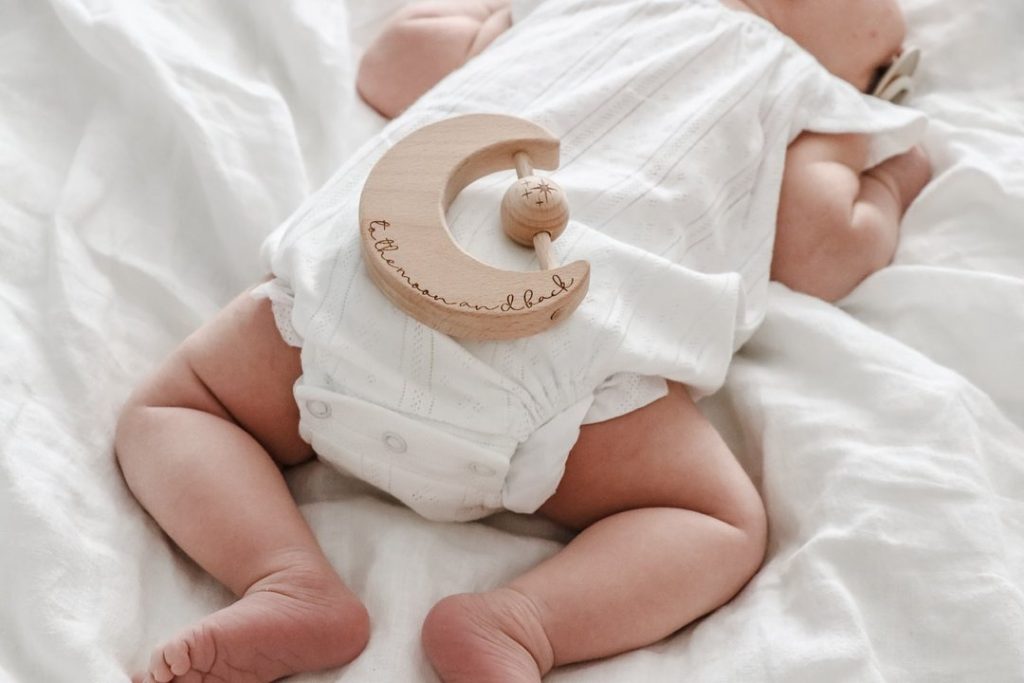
<point x="749" y="517"/>
<point x="133" y="423"/>
<point x="743" y="510"/>
<point x="172" y="385"/>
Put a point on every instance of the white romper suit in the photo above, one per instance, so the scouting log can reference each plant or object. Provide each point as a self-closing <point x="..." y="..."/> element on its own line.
<point x="674" y="117"/>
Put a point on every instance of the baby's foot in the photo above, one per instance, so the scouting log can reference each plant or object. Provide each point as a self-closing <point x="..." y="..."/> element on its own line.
<point x="487" y="638"/>
<point x="293" y="621"/>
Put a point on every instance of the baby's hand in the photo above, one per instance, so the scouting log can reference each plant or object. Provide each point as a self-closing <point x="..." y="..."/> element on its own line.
<point x="905" y="175"/>
<point x="423" y="43"/>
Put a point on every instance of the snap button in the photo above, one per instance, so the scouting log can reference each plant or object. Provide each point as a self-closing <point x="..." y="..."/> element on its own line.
<point x="318" y="409"/>
<point x="394" y="442"/>
<point x="482" y="470"/>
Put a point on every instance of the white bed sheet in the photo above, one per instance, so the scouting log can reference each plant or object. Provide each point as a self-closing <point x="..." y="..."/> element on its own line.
<point x="147" y="148"/>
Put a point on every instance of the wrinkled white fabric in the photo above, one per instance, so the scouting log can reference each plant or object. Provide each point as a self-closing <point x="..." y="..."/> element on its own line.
<point x="885" y="435"/>
<point x="672" y="160"/>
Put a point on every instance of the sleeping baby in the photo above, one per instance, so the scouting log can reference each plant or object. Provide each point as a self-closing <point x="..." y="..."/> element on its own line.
<point x="707" y="148"/>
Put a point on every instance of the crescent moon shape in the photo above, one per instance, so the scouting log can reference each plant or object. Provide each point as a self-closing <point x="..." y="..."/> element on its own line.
<point x="412" y="256"/>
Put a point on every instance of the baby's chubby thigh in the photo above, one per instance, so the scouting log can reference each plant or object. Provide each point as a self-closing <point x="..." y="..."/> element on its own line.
<point x="665" y="454"/>
<point x="236" y="367"/>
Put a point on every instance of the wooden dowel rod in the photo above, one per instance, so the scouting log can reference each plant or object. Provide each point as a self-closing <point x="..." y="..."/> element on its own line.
<point x="542" y="245"/>
<point x="523" y="165"/>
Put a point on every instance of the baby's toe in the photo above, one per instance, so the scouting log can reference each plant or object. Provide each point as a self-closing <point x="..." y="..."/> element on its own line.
<point x="177" y="658"/>
<point x="158" y="667"/>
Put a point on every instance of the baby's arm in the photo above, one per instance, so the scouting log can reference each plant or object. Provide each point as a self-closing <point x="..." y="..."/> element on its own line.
<point x="839" y="222"/>
<point x="422" y="44"/>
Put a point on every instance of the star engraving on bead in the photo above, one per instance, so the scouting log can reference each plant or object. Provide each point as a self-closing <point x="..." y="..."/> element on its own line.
<point x="543" y="188"/>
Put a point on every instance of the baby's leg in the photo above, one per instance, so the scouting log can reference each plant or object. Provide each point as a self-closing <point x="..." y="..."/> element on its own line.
<point x="200" y="444"/>
<point x="672" y="529"/>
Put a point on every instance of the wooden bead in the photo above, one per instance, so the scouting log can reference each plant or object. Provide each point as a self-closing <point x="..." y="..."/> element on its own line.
<point x="534" y="205"/>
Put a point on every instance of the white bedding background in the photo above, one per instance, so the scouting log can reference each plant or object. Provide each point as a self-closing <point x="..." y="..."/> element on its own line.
<point x="146" y="148"/>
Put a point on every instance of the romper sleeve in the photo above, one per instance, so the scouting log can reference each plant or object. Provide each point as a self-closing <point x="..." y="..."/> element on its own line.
<point x="831" y="105"/>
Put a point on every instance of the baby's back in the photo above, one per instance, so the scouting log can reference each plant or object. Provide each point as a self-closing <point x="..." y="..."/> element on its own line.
<point x="674" y="121"/>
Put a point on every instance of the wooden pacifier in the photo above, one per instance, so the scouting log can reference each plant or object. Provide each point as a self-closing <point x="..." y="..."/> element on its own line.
<point x="413" y="258"/>
<point x="897" y="83"/>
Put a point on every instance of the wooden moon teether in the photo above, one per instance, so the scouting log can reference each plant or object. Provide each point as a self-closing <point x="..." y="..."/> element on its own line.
<point x="897" y="83"/>
<point x="412" y="257"/>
